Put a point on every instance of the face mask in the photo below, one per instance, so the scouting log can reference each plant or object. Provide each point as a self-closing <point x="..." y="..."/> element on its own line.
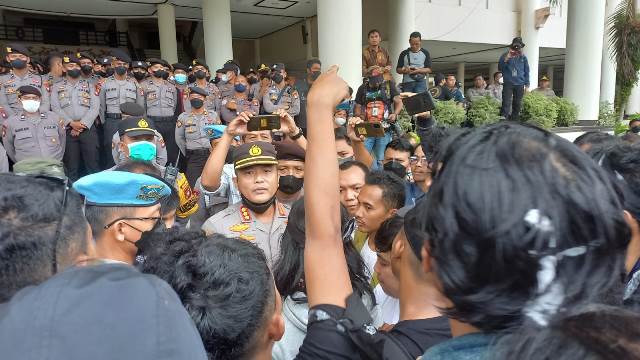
<point x="258" y="208"/>
<point x="277" y="78"/>
<point x="200" y="74"/>
<point x="142" y="150"/>
<point x="340" y="121"/>
<point x="344" y="160"/>
<point x="18" y="64"/>
<point x="224" y="78"/>
<point x="395" y="167"/>
<point x="165" y="76"/>
<point x="86" y="69"/>
<point x="500" y="81"/>
<point x="240" y="88"/>
<point x="635" y="129"/>
<point x="31" y="106"/>
<point x="290" y="184"/>
<point x="139" y="75"/>
<point x="109" y="72"/>
<point x="196" y="103"/>
<point x="101" y="73"/>
<point x="252" y="80"/>
<point x="181" y="79"/>
<point x="120" y="70"/>
<point x="315" y="75"/>
<point x="74" y="74"/>
<point x="160" y="74"/>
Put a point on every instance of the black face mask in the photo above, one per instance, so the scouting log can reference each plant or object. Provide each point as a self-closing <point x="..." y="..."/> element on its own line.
<point x="635" y="129"/>
<point x="252" y="80"/>
<point x="395" y="167"/>
<point x="216" y="80"/>
<point x="191" y="78"/>
<point x="315" y="75"/>
<point x="258" y="208"/>
<point x="196" y="103"/>
<point x="139" y="75"/>
<point x="18" y="64"/>
<point x="86" y="69"/>
<point x="74" y="73"/>
<point x="200" y="74"/>
<point x="290" y="184"/>
<point x="277" y="78"/>
<point x="165" y="76"/>
<point x="109" y="72"/>
<point x="160" y="74"/>
<point x="101" y="73"/>
<point x="145" y="244"/>
<point x="120" y="70"/>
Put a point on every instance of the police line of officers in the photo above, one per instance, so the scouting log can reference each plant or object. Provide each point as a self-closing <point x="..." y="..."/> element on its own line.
<point x="73" y="116"/>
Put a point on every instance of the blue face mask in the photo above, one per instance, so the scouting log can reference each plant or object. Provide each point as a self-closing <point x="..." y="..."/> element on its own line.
<point x="180" y="78"/>
<point x="142" y="150"/>
<point x="240" y="88"/>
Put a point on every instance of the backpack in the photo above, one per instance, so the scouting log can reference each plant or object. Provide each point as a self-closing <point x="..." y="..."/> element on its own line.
<point x="377" y="107"/>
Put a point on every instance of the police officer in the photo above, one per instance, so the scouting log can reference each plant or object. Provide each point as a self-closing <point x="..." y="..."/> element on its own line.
<point x="132" y="109"/>
<point x="259" y="217"/>
<point x="181" y="79"/>
<point x="231" y="71"/>
<point x="75" y="101"/>
<point x="33" y="133"/>
<point x="56" y="71"/>
<point x="190" y="133"/>
<point x="139" y="70"/>
<point x="161" y="101"/>
<point x="86" y="68"/>
<point x="18" y="57"/>
<point x="101" y="66"/>
<point x="280" y="95"/>
<point x="239" y="102"/>
<point x="117" y="89"/>
<point x="201" y="72"/>
<point x="545" y="87"/>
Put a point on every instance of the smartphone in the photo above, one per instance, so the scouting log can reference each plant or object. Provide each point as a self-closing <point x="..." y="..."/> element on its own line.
<point x="264" y="122"/>
<point x="370" y="129"/>
<point x="419" y="103"/>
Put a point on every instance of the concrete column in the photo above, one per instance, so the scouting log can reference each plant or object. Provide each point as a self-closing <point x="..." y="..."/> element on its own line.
<point x="633" y="104"/>
<point x="530" y="37"/>
<point x="344" y="24"/>
<point x="256" y="53"/>
<point x="585" y="31"/>
<point x="549" y="71"/>
<point x="167" y="32"/>
<point x="608" y="68"/>
<point x="493" y="68"/>
<point x="401" y="24"/>
<point x="460" y="75"/>
<point x="309" y="45"/>
<point x="216" y="21"/>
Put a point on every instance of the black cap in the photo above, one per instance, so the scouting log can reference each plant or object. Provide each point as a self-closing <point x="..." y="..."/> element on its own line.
<point x="288" y="150"/>
<point x="136" y="126"/>
<point x="138" y="64"/>
<point x="255" y="153"/>
<point x="100" y="312"/>
<point x="231" y="66"/>
<point x="221" y="71"/>
<point x="16" y="49"/>
<point x="52" y="55"/>
<point x="68" y="59"/>
<point x="517" y="43"/>
<point x="179" y="66"/>
<point x="251" y="71"/>
<point x="199" y="62"/>
<point x="84" y="55"/>
<point x="28" y="90"/>
<point x="277" y="66"/>
<point x="132" y="109"/>
<point x="121" y="55"/>
<point x="105" y="61"/>
<point x="156" y="61"/>
<point x="199" y="91"/>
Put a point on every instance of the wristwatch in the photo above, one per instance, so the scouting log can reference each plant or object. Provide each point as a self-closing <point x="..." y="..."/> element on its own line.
<point x="297" y="136"/>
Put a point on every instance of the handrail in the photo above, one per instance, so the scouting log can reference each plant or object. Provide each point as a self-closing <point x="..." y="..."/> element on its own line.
<point x="85" y="37"/>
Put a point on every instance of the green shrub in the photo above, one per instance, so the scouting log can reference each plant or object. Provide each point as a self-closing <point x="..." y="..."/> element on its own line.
<point x="449" y="114"/>
<point x="539" y="110"/>
<point x="567" y="112"/>
<point x="404" y="121"/>
<point x="485" y="110"/>
<point x="607" y="115"/>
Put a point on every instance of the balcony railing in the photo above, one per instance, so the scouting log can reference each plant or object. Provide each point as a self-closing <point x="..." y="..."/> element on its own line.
<point x="63" y="36"/>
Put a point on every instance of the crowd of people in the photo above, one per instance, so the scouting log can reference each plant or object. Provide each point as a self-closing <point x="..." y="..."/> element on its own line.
<point x="145" y="217"/>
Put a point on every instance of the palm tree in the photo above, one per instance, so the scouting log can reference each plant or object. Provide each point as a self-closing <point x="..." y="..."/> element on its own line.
<point x="624" y="37"/>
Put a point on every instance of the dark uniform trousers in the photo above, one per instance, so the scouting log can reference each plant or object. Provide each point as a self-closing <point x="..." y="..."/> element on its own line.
<point x="195" y="163"/>
<point x="81" y="149"/>
<point x="109" y="128"/>
<point x="166" y="126"/>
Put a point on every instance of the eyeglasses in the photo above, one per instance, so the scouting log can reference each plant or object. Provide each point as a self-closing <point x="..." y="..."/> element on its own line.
<point x="56" y="237"/>
<point x="155" y="218"/>
<point x="415" y="159"/>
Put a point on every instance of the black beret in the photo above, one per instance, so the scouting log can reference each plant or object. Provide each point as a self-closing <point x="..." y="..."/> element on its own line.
<point x="131" y="109"/>
<point x="156" y="61"/>
<point x="17" y="49"/>
<point x="105" y="61"/>
<point x="288" y="150"/>
<point x="138" y="64"/>
<point x="199" y="91"/>
<point x="68" y="59"/>
<point x="121" y="55"/>
<point x="84" y="55"/>
<point x="199" y="62"/>
<point x="231" y="66"/>
<point x="28" y="90"/>
<point x="179" y="66"/>
<point x="277" y="66"/>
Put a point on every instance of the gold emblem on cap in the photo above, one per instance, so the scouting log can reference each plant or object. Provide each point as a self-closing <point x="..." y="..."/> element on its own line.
<point x="255" y="151"/>
<point x="8" y="49"/>
<point x="77" y="54"/>
<point x="66" y="59"/>
<point x="194" y="62"/>
<point x="143" y="123"/>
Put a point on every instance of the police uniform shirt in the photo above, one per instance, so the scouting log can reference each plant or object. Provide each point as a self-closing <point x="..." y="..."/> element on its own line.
<point x="241" y="105"/>
<point x="475" y="93"/>
<point x="254" y="93"/>
<point x="75" y="101"/>
<point x="289" y="101"/>
<point x="39" y="136"/>
<point x="9" y="84"/>
<point x="161" y="150"/>
<point x="50" y="81"/>
<point x="212" y="102"/>
<point x="240" y="222"/>
<point x="4" y="161"/>
<point x="115" y="92"/>
<point x="227" y="90"/>
<point x="546" y="92"/>
<point x="190" y="134"/>
<point x="161" y="98"/>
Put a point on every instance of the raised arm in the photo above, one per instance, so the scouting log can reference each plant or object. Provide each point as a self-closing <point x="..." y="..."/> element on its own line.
<point x="325" y="267"/>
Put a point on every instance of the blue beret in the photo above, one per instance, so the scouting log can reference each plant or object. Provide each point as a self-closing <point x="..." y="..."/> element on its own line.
<point x="119" y="188"/>
<point x="214" y="131"/>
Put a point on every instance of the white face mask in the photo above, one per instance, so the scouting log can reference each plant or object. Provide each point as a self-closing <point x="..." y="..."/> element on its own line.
<point x="224" y="78"/>
<point x="31" y="106"/>
<point x="500" y="81"/>
<point x="340" y="121"/>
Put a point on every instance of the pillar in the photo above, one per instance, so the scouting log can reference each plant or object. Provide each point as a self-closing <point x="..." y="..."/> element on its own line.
<point x="530" y="36"/>
<point x="256" y="53"/>
<point x="167" y="32"/>
<point x="401" y="24"/>
<point x="585" y="32"/>
<point x="460" y="75"/>
<point x="608" y="67"/>
<point x="308" y="45"/>
<point x="549" y="72"/>
<point x="339" y="19"/>
<point x="493" y="68"/>
<point x="216" y="21"/>
<point x="633" y="104"/>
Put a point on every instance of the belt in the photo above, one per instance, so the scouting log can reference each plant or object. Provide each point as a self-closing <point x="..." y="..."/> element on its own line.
<point x="113" y="116"/>
<point x="198" y="152"/>
<point x="162" y="118"/>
